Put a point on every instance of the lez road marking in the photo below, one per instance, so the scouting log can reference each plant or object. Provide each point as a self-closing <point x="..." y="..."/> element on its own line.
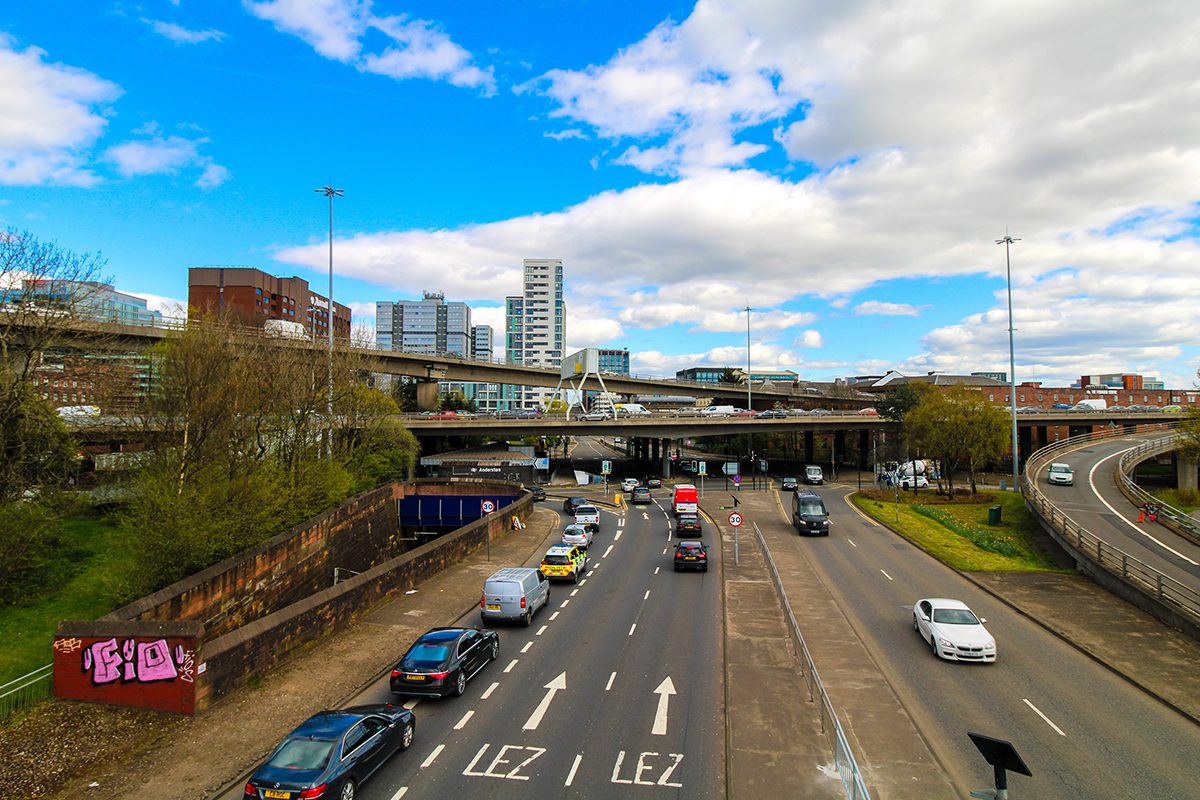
<point x="437" y="751"/>
<point x="514" y="773"/>
<point x="488" y="692"/>
<point x="889" y="577"/>
<point x="528" y="645"/>
<point x="511" y="664"/>
<point x="552" y="688"/>
<point x="1037" y="711"/>
<point x="643" y="767"/>
<point x="664" y="692"/>
<point x="575" y="766"/>
<point x="611" y="678"/>
<point x="463" y="722"/>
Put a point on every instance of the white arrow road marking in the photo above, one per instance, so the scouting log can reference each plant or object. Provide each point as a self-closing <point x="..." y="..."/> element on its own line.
<point x="645" y="515"/>
<point x="552" y="688"/>
<point x="664" y="692"/>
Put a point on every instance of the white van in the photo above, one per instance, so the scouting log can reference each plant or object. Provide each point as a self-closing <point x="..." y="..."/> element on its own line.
<point x="514" y="593"/>
<point x="719" y="411"/>
<point x="813" y="474"/>
<point x="632" y="410"/>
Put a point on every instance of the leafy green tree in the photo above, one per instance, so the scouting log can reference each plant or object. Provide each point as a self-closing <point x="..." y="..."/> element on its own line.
<point x="404" y="392"/>
<point x="959" y="428"/>
<point x="1189" y="429"/>
<point x="895" y="404"/>
<point x="456" y="401"/>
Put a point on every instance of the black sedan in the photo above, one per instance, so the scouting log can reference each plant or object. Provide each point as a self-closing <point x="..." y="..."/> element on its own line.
<point x="691" y="555"/>
<point x="789" y="485"/>
<point x="538" y="492"/>
<point x="443" y="660"/>
<point x="332" y="753"/>
<point x="688" y="525"/>
<point x="653" y="483"/>
<point x="572" y="503"/>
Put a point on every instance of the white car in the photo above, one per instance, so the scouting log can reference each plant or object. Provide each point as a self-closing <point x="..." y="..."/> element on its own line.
<point x="629" y="484"/>
<point x="952" y="630"/>
<point x="1061" y="474"/>
<point x="906" y="482"/>
<point x="577" y="535"/>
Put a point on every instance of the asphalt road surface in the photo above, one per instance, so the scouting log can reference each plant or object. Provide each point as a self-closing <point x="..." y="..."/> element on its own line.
<point x="1083" y="731"/>
<point x="614" y="691"/>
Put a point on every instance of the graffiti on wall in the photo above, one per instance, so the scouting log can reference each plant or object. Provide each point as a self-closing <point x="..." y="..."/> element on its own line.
<point x="133" y="660"/>
<point x="154" y="672"/>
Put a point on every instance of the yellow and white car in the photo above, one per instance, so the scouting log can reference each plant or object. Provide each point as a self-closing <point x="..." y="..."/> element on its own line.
<point x="564" y="561"/>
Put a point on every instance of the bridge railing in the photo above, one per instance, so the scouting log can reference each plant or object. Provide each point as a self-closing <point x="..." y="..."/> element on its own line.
<point x="24" y="692"/>
<point x="1139" y="496"/>
<point x="1162" y="589"/>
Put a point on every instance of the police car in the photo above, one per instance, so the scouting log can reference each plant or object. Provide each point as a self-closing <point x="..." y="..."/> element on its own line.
<point x="564" y="561"/>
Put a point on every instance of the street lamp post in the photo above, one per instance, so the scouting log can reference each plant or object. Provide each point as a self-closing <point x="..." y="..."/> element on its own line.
<point x="1012" y="358"/>
<point x="331" y="193"/>
<point x="749" y="397"/>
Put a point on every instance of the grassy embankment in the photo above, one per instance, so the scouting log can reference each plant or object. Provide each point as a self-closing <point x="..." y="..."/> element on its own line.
<point x="958" y="534"/>
<point x="79" y="586"/>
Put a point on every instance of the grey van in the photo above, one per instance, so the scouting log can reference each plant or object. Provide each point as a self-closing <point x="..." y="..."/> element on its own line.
<point x="514" y="593"/>
<point x="809" y="514"/>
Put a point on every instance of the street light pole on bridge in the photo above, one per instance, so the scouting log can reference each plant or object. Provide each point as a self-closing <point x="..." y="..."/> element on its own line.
<point x="331" y="193"/>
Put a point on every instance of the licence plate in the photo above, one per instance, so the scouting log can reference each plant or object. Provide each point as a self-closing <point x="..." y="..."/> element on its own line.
<point x="492" y="607"/>
<point x="689" y="558"/>
<point x="414" y="677"/>
<point x="275" y="794"/>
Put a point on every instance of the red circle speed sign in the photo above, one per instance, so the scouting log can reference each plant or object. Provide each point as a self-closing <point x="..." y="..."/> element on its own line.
<point x="735" y="519"/>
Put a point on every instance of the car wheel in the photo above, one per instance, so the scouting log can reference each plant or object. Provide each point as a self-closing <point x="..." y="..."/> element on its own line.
<point x="406" y="736"/>
<point x="527" y="620"/>
<point x="915" y="628"/>
<point x="347" y="791"/>
<point x="460" y="685"/>
<point x="933" y="646"/>
<point x="495" y="649"/>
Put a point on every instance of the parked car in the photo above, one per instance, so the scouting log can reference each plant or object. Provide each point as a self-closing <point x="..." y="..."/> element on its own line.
<point x="691" y="555"/>
<point x="443" y="660"/>
<point x="538" y="493"/>
<point x="653" y="483"/>
<point x="789" y="485"/>
<point x="688" y="525"/>
<point x="641" y="496"/>
<point x="952" y="630"/>
<point x="1061" y="474"/>
<point x="332" y="753"/>
<point x="572" y="503"/>
<point x="820" y="412"/>
<point x="564" y="561"/>
<point x="906" y="482"/>
<point x="514" y="593"/>
<point x="772" y="413"/>
<point x="577" y="536"/>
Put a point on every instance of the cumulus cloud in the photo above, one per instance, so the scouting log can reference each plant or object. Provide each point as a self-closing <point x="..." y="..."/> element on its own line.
<point x="171" y="308"/>
<point x="166" y="155"/>
<point x="880" y="308"/>
<point x="182" y="35"/>
<point x="51" y="115"/>
<point x="339" y="30"/>
<point x="809" y="339"/>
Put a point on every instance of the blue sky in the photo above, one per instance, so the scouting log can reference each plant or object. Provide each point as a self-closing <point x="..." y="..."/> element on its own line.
<point x="843" y="168"/>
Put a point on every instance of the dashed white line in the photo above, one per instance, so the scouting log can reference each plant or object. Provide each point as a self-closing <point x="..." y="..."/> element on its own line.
<point x="656" y="569"/>
<point x="582" y="582"/>
<point x="575" y="766"/>
<point x="488" y="691"/>
<point x="462" y="723"/>
<point x="889" y="577"/>
<point x="606" y="552"/>
<point x="411" y="704"/>
<point x="552" y="616"/>
<point x="403" y="791"/>
<point x="593" y="570"/>
<point x="618" y="536"/>
<point x="632" y="628"/>
<point x="664" y="551"/>
<point x="511" y="664"/>
<point x="437" y="751"/>
<point x="528" y="645"/>
<point x="611" y="678"/>
<point x="574" y="592"/>
<point x="621" y="522"/>
<point x="564" y="603"/>
<point x="851" y="541"/>
<point x="541" y="630"/>
<point x="1037" y="711"/>
<point x="647" y="596"/>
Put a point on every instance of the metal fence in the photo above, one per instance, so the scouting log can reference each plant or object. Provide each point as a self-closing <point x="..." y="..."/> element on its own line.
<point x="1166" y="590"/>
<point x="852" y="779"/>
<point x="27" y="690"/>
<point x="1131" y="459"/>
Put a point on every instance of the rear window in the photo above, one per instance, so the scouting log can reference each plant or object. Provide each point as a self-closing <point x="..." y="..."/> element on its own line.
<point x="586" y="510"/>
<point x="426" y="655"/>
<point x="690" y="548"/>
<point x="689" y="520"/>
<point x="556" y="561"/>
<point x="302" y="754"/>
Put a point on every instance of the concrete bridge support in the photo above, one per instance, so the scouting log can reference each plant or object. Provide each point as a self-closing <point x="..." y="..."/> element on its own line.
<point x="666" y="458"/>
<point x="1186" y="473"/>
<point x="427" y="395"/>
<point x="839" y="446"/>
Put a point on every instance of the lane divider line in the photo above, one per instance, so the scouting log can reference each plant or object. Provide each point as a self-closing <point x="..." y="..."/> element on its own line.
<point x="488" y="691"/>
<point x="462" y="723"/>
<point x="437" y="751"/>
<point x="606" y="552"/>
<point x="511" y="664"/>
<point x="632" y="628"/>
<point x="583" y="581"/>
<point x="564" y="603"/>
<point x="541" y="630"/>
<point x="851" y="541"/>
<point x="528" y="645"/>
<point x="574" y="766"/>
<point x="656" y="569"/>
<point x="617" y="537"/>
<point x="889" y="577"/>
<point x="403" y="791"/>
<point x="1038" y="711"/>
<point x="574" y="592"/>
<point x="611" y="678"/>
<point x="411" y="704"/>
<point x="552" y="616"/>
<point x="647" y="595"/>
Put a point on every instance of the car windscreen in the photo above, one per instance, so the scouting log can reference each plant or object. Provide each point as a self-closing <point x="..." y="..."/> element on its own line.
<point x="812" y="509"/>
<point x="425" y="655"/>
<point x="556" y="561"/>
<point x="954" y="616"/>
<point x="302" y="754"/>
<point x="1059" y="468"/>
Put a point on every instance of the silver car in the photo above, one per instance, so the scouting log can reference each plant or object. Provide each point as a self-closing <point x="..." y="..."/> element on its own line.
<point x="578" y="536"/>
<point x="1061" y="474"/>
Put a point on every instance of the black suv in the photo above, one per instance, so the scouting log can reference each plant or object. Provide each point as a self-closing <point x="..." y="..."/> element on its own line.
<point x="688" y="525"/>
<point x="572" y="503"/>
<point x="809" y="514"/>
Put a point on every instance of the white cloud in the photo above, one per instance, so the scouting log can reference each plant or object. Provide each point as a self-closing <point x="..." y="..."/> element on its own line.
<point x="169" y="155"/>
<point x="880" y="308"/>
<point x="51" y="114"/>
<point x="170" y="307"/>
<point x="336" y="29"/>
<point x="810" y="339"/>
<point x="181" y="35"/>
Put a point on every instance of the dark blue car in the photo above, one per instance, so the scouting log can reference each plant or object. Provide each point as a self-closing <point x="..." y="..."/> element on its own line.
<point x="333" y="753"/>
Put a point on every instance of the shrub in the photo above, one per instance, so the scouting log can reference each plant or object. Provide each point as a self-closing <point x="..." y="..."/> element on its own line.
<point x="980" y="537"/>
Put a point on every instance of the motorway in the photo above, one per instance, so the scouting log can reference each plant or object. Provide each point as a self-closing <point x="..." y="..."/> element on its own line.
<point x="614" y="691"/>
<point x="1083" y="731"/>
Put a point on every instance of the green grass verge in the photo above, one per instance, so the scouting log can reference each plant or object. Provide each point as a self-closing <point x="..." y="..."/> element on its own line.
<point x="1186" y="500"/>
<point x="958" y="534"/>
<point x="83" y="591"/>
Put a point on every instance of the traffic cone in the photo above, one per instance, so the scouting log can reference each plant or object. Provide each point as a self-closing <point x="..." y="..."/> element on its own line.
<point x="1142" y="515"/>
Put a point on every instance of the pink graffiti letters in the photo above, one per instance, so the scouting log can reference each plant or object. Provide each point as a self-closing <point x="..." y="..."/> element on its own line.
<point x="140" y="661"/>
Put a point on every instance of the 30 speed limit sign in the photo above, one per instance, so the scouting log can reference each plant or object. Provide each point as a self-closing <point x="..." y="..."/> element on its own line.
<point x="735" y="519"/>
<point x="489" y="506"/>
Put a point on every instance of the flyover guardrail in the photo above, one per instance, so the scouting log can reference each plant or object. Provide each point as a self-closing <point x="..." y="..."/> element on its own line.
<point x="1179" y="521"/>
<point x="26" y="691"/>
<point x="1170" y="600"/>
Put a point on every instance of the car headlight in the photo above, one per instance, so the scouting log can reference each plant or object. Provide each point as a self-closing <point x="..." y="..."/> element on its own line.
<point x="945" y="642"/>
<point x="990" y="646"/>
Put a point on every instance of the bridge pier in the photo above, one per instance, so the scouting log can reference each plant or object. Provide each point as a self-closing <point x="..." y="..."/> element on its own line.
<point x="427" y="395"/>
<point x="655" y="446"/>
<point x="1186" y="473"/>
<point x="666" y="458"/>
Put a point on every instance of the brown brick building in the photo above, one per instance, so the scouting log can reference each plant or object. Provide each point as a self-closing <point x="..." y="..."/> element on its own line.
<point x="253" y="297"/>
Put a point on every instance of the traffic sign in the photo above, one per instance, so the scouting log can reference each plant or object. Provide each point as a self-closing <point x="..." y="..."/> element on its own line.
<point x="701" y="467"/>
<point x="735" y="519"/>
<point x="737" y="479"/>
<point x="489" y="506"/>
<point x="605" y="467"/>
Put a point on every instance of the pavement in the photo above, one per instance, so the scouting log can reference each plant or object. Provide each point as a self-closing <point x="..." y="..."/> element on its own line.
<point x="775" y="743"/>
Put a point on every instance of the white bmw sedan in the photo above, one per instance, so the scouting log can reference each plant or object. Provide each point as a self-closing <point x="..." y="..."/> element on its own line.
<point x="952" y="630"/>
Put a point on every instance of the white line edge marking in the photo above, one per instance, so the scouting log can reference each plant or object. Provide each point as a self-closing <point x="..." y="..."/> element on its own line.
<point x="403" y="791"/>
<point x="552" y="616"/>
<point x="574" y="766"/>
<point x="1038" y="711"/>
<point x="647" y="595"/>
<point x="582" y="582"/>
<point x="664" y="551"/>
<point x="606" y="552"/>
<point x="851" y="541"/>
<point x="632" y="628"/>
<point x="511" y="664"/>
<point x="437" y="751"/>
<point x="541" y="630"/>
<point x="564" y="603"/>
<point x="411" y="704"/>
<point x="611" y="678"/>
<point x="488" y="691"/>
<point x="1119" y="516"/>
<point x="528" y="645"/>
<point x="889" y="577"/>
<point x="656" y="569"/>
<point x="574" y="592"/>
<point x="462" y="723"/>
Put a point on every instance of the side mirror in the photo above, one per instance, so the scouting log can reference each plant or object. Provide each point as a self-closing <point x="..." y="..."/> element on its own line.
<point x="982" y="620"/>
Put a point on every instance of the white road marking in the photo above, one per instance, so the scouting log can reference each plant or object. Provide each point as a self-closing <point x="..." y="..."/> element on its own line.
<point x="606" y="552"/>
<point x="541" y="630"/>
<point x="575" y="766"/>
<point x="617" y="537"/>
<point x="582" y="582"/>
<point x="656" y="569"/>
<point x="488" y="691"/>
<point x="528" y="645"/>
<point x="462" y="723"/>
<point x="664" y="551"/>
<point x="552" y="616"/>
<point x="574" y="592"/>
<point x="645" y="515"/>
<point x="889" y="577"/>
<point x="621" y="522"/>
<point x="851" y="541"/>
<point x="552" y="688"/>
<point x="1037" y="711"/>
<point x="664" y="692"/>
<point x="403" y="791"/>
<point x="411" y="704"/>
<point x="611" y="678"/>
<point x="511" y="664"/>
<point x="437" y="751"/>
<point x="647" y="595"/>
<point x="564" y="603"/>
<point x="1092" y="483"/>
<point x="632" y="628"/>
<point x="592" y="571"/>
<point x="500" y="760"/>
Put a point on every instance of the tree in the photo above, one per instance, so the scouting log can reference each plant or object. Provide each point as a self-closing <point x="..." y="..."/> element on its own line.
<point x="957" y="427"/>
<point x="1189" y="439"/>
<point x="898" y="402"/>
<point x="731" y="375"/>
